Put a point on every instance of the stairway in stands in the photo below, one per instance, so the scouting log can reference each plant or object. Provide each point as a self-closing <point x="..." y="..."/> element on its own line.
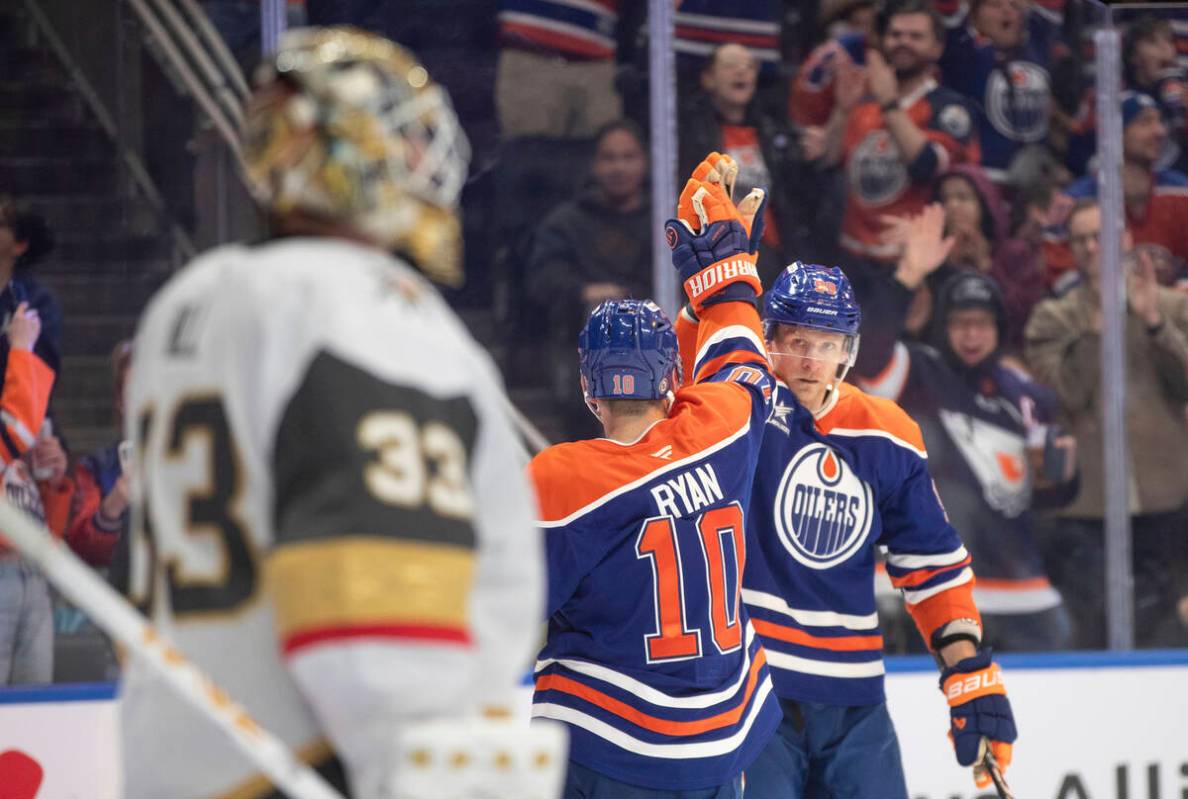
<point x="111" y="254"/>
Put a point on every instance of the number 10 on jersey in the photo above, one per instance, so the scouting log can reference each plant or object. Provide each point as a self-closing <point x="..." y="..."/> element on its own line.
<point x="717" y="529"/>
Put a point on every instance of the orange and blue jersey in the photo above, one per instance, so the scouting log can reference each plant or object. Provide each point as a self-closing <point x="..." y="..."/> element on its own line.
<point x="827" y="496"/>
<point x="880" y="182"/>
<point x="651" y="659"/>
<point x="1011" y="93"/>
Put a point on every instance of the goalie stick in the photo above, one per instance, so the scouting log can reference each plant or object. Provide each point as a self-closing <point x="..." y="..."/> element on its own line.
<point x="122" y="622"/>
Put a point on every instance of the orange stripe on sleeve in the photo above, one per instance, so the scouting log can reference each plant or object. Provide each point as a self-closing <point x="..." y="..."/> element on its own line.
<point x="843" y="643"/>
<point x="938" y="610"/>
<point x="558" y="682"/>
<point x="686" y="330"/>
<point x="921" y="576"/>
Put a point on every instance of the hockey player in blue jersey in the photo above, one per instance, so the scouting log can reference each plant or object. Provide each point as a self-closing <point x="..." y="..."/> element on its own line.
<point x="829" y="490"/>
<point x="650" y="658"/>
<point x="820" y="509"/>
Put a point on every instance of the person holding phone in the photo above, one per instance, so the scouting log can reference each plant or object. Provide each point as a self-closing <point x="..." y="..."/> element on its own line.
<point x="26" y="618"/>
<point x="993" y="453"/>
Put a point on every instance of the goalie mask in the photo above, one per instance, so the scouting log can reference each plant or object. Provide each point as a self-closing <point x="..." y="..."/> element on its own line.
<point x="348" y="126"/>
<point x="810" y="312"/>
<point x="628" y="350"/>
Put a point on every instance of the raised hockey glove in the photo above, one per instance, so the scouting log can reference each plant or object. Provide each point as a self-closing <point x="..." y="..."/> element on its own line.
<point x="722" y="170"/>
<point x="980" y="716"/>
<point x="716" y="257"/>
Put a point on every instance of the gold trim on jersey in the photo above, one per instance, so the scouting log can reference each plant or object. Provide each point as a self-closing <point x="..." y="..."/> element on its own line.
<point x="324" y="583"/>
<point x="312" y="754"/>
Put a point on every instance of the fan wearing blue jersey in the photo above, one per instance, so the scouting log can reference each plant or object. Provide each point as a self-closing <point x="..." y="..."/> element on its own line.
<point x="650" y="658"/>
<point x="840" y="475"/>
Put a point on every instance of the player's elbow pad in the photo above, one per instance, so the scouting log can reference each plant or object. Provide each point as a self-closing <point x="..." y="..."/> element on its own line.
<point x="923" y="167"/>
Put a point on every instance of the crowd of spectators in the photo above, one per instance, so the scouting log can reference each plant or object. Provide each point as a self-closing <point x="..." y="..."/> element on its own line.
<point x="940" y="151"/>
<point x="975" y="120"/>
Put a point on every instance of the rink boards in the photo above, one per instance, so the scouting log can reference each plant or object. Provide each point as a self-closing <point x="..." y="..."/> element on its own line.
<point x="1092" y="726"/>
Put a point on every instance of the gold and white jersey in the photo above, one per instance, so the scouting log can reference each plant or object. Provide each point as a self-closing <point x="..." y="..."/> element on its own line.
<point x="332" y="518"/>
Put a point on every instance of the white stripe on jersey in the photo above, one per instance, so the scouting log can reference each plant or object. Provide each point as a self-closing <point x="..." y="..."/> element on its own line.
<point x="650" y="694"/>
<point x="921" y="561"/>
<point x="730" y="331"/>
<point x="19" y="428"/>
<point x="889" y="384"/>
<point x="858" y="433"/>
<point x="810" y="618"/>
<point x="685" y="751"/>
<point x="824" y="668"/>
<point x="727" y="23"/>
<point x="605" y="498"/>
<point x="914" y="597"/>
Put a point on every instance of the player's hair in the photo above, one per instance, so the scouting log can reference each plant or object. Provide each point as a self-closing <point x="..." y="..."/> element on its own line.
<point x="1142" y="29"/>
<point x="27" y="226"/>
<point x="1083" y="204"/>
<point x="895" y="9"/>
<point x="624" y="408"/>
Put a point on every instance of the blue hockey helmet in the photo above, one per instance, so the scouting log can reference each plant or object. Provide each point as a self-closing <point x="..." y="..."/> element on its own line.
<point x="817" y="297"/>
<point x="808" y="295"/>
<point x="628" y="350"/>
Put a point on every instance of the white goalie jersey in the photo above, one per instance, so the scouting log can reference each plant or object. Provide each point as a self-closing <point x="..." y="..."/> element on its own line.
<point x="332" y="518"/>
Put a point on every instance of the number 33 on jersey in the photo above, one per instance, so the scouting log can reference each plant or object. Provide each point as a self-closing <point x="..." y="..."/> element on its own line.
<point x="316" y="435"/>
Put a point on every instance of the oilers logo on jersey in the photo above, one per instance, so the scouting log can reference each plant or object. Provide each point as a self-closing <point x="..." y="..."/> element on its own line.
<point x="1019" y="109"/>
<point x="822" y="508"/>
<point x="997" y="458"/>
<point x="877" y="173"/>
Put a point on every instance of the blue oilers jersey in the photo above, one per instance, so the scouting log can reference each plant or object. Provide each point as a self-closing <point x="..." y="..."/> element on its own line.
<point x="650" y="659"/>
<point x="828" y="493"/>
<point x="1012" y="97"/>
